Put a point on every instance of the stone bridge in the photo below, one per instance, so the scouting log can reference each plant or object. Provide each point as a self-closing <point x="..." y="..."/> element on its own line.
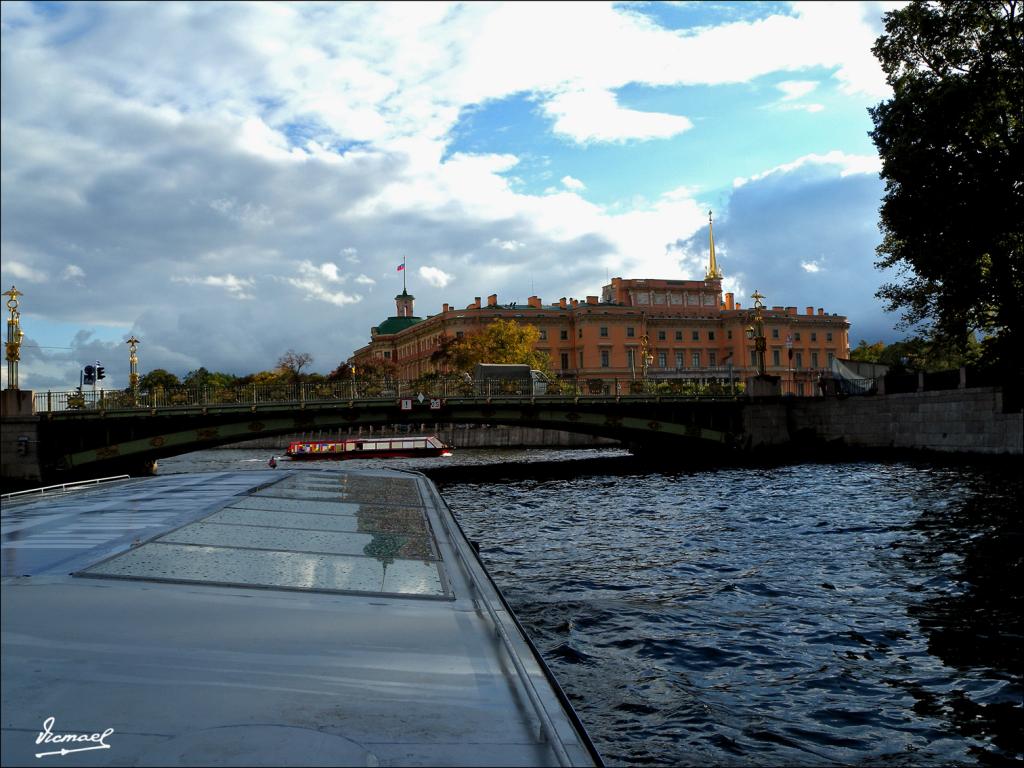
<point x="112" y="437"/>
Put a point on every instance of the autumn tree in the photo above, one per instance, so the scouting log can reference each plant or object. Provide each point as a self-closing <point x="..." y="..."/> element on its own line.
<point x="502" y="341"/>
<point x="375" y="368"/>
<point x="952" y="217"/>
<point x="291" y="363"/>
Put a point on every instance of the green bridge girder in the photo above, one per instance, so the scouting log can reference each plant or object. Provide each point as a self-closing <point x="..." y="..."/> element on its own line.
<point x="86" y="440"/>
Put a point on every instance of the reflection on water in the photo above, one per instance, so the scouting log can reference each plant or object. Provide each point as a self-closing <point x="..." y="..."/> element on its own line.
<point x="819" y="614"/>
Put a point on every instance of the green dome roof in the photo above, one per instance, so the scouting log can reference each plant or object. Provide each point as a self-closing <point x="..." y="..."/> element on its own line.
<point x="396" y="324"/>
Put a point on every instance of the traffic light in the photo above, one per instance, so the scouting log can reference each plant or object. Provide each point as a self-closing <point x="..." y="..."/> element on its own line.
<point x="89" y="375"/>
<point x="100" y="371"/>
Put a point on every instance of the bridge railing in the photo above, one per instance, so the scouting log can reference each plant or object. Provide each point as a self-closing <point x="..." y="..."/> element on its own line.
<point x="367" y="390"/>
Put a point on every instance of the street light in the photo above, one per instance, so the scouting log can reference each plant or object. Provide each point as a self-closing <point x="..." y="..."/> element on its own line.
<point x="646" y="358"/>
<point x="755" y="332"/>
<point x="14" y="337"/>
<point x="133" y="367"/>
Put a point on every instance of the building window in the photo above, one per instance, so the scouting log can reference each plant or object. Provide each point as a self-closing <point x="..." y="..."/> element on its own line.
<point x="753" y="359"/>
<point x="630" y="332"/>
<point x="579" y="333"/>
<point x="663" y="359"/>
<point x="776" y="361"/>
<point x="796" y="335"/>
<point x="679" y="335"/>
<point x="814" y="336"/>
<point x="631" y="359"/>
<point x="459" y="334"/>
<point x="679" y="360"/>
<point x="728" y="334"/>
<point x="661" y="335"/>
<point x="711" y="335"/>
<point x="828" y="336"/>
<point x="712" y="359"/>
<point x="695" y="335"/>
<point x="563" y="335"/>
<point x="565" y="361"/>
<point x="581" y="359"/>
<point x="831" y="357"/>
<point x="543" y="334"/>
<point x="604" y="358"/>
<point x="695" y="360"/>
<point x="775" y="333"/>
<point x="604" y="331"/>
<point x="814" y="359"/>
<point x="799" y="360"/>
<point x="387" y="353"/>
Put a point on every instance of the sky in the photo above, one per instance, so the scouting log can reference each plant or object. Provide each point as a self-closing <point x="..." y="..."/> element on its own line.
<point x="230" y="181"/>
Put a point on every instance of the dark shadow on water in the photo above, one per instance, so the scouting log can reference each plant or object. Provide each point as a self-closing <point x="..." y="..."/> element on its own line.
<point x="976" y="623"/>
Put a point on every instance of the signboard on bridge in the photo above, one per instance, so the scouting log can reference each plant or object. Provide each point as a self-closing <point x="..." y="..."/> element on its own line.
<point x="406" y="403"/>
<point x="435" y="403"/>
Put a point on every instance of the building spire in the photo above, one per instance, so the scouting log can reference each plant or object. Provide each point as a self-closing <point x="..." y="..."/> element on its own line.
<point x="714" y="273"/>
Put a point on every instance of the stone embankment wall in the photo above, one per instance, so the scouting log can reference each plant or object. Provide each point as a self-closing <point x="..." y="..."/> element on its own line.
<point x="458" y="436"/>
<point x="19" y="441"/>
<point x="949" y="421"/>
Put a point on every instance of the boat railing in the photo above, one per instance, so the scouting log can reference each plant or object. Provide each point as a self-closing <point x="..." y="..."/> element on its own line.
<point x="62" y="488"/>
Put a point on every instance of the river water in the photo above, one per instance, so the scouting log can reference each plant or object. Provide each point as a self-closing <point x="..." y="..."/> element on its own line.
<point x="814" y="614"/>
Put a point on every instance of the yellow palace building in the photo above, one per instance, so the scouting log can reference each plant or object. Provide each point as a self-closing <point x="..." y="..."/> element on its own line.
<point x="652" y="328"/>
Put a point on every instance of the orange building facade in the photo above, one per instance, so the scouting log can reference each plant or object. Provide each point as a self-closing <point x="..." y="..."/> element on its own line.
<point x="682" y="329"/>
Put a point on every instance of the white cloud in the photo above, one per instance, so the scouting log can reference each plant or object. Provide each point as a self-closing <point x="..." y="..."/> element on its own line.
<point x="237" y="287"/>
<point x="796" y="89"/>
<point x="595" y="115"/>
<point x="848" y="164"/>
<point x="810" y="266"/>
<point x="434" y="276"/>
<point x="365" y="280"/>
<point x="572" y="183"/>
<point x="73" y="272"/>
<point x="506" y="245"/>
<point x="19" y="271"/>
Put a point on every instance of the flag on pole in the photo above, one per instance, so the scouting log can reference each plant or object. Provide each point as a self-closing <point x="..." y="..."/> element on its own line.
<point x="400" y="267"/>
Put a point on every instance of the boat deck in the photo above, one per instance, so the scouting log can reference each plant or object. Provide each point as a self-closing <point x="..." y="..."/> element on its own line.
<point x="266" y="618"/>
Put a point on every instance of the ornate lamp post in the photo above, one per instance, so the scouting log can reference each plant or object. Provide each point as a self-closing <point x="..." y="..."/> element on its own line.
<point x="646" y="358"/>
<point x="14" y="337"/>
<point x="756" y="333"/>
<point x="133" y="367"/>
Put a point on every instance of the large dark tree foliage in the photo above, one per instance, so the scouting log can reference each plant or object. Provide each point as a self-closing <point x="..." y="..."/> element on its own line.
<point x="950" y="141"/>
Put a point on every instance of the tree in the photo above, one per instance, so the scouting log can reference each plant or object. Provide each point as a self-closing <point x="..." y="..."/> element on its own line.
<point x="204" y="378"/>
<point x="952" y="217"/>
<point x="291" y="363"/>
<point x="375" y="368"/>
<point x="158" y="377"/>
<point x="502" y="341"/>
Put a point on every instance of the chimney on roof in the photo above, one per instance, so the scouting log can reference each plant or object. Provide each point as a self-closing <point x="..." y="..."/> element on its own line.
<point x="573" y="302"/>
<point x="809" y="310"/>
<point x="821" y="311"/>
<point x="562" y="303"/>
<point x="591" y="299"/>
<point x="730" y="301"/>
<point x="534" y="301"/>
<point x="444" y="307"/>
<point x="790" y="310"/>
<point x="492" y="300"/>
<point x="475" y="304"/>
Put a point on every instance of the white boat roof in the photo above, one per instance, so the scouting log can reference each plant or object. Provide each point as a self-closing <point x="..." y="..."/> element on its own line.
<point x="288" y="617"/>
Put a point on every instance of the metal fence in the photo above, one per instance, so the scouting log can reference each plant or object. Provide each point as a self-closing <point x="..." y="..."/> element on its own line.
<point x="367" y="390"/>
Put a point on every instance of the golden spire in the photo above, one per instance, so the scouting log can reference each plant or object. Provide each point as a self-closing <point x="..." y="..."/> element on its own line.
<point x="714" y="273"/>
